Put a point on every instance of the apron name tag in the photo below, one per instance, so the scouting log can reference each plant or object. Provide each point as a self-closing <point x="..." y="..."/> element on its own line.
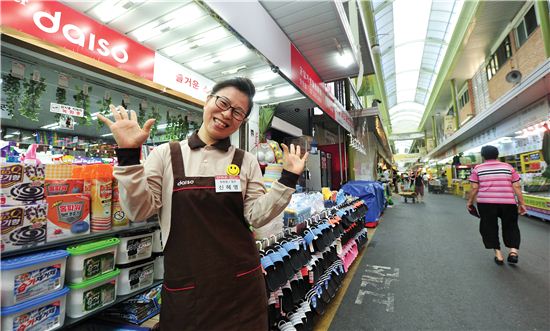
<point x="228" y="184"/>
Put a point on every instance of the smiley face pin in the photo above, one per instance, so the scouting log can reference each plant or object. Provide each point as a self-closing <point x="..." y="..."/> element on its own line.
<point x="233" y="170"/>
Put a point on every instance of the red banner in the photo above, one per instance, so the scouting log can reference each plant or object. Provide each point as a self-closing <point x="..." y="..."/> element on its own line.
<point x="61" y="25"/>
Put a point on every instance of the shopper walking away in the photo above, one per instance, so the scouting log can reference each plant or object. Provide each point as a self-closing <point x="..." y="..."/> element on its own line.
<point x="419" y="187"/>
<point x="213" y="277"/>
<point x="496" y="186"/>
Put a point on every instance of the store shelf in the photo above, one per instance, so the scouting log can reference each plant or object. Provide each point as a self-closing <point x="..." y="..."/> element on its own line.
<point x="151" y="222"/>
<point x="71" y="322"/>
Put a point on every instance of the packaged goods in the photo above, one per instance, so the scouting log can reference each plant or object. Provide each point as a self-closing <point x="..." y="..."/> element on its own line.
<point x="63" y="186"/>
<point x="23" y="226"/>
<point x="90" y="295"/>
<point x="157" y="240"/>
<point x="45" y="313"/>
<point x="91" y="259"/>
<point x="21" y="184"/>
<point x="101" y="198"/>
<point x="159" y="265"/>
<point x="30" y="276"/>
<point x="68" y="216"/>
<point x="135" y="276"/>
<point x="134" y="246"/>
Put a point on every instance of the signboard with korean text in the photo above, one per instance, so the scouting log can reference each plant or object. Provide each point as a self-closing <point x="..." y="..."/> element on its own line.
<point x="63" y="26"/>
<point x="181" y="79"/>
<point x="67" y="110"/>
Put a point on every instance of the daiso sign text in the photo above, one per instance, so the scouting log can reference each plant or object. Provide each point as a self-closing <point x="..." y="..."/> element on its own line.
<point x="63" y="26"/>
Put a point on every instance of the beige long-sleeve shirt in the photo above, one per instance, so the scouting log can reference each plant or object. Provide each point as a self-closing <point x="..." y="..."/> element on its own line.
<point x="146" y="189"/>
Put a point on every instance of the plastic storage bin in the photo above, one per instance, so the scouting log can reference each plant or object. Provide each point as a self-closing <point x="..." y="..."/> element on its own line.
<point x="159" y="265"/>
<point x="135" y="276"/>
<point x="30" y="276"/>
<point x="157" y="240"/>
<point x="134" y="246"/>
<point x="92" y="294"/>
<point x="91" y="259"/>
<point x="44" y="313"/>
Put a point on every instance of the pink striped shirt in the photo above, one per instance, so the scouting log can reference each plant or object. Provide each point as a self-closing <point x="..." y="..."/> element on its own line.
<point x="495" y="180"/>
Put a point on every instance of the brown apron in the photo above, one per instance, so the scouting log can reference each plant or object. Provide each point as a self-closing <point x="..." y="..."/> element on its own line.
<point x="213" y="278"/>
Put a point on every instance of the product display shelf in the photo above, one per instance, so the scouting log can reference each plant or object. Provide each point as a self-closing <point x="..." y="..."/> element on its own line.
<point x="151" y="222"/>
<point x="70" y="323"/>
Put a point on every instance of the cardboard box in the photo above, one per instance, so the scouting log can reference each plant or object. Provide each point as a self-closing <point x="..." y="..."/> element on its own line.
<point x="21" y="184"/>
<point x="68" y="216"/>
<point x="23" y="226"/>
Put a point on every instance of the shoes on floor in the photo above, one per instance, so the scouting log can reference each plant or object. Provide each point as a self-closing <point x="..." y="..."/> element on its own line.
<point x="499" y="262"/>
<point x="513" y="258"/>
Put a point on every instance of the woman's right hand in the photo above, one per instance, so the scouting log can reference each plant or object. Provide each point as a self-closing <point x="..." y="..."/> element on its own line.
<point x="125" y="128"/>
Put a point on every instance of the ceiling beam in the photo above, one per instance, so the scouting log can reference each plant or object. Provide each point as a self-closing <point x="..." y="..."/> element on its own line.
<point x="457" y="42"/>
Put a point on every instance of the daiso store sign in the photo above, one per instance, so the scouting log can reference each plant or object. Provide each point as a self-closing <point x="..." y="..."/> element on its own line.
<point x="63" y="26"/>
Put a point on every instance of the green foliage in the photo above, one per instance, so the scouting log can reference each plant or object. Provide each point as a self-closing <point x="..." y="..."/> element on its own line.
<point x="60" y="98"/>
<point x="30" y="103"/>
<point x="177" y="127"/>
<point x="156" y="115"/>
<point x="11" y="86"/>
<point x="141" y="115"/>
<point x="104" y="109"/>
<point x="83" y="101"/>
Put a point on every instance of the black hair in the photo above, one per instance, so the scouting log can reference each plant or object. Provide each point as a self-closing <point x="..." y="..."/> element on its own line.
<point x="242" y="84"/>
<point x="489" y="152"/>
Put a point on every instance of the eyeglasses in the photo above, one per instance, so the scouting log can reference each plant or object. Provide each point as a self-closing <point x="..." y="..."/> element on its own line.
<point x="224" y="104"/>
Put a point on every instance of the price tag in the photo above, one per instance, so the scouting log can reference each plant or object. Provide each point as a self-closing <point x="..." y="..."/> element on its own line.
<point x="85" y="89"/>
<point x="63" y="80"/>
<point x="36" y="75"/>
<point x="228" y="184"/>
<point x="126" y="99"/>
<point x="17" y="69"/>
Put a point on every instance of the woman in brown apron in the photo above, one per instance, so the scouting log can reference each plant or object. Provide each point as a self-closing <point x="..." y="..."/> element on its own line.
<point x="213" y="278"/>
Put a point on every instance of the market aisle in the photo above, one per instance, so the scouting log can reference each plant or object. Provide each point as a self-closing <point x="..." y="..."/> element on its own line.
<point x="426" y="268"/>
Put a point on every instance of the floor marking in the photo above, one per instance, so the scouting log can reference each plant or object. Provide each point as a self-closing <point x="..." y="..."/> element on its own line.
<point x="375" y="283"/>
<point x="325" y="320"/>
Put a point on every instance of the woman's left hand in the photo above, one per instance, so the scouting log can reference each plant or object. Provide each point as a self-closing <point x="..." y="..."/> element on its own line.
<point x="292" y="161"/>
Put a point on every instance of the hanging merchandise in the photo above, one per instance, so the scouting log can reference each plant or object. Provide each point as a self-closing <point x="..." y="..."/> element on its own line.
<point x="30" y="102"/>
<point x="11" y="86"/>
<point x="82" y="100"/>
<point x="266" y="117"/>
<point x="104" y="109"/>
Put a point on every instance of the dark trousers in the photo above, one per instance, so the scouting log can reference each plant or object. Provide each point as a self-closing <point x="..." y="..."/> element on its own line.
<point x="488" y="225"/>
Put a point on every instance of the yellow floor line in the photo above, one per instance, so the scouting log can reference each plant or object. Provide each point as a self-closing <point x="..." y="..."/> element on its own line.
<point x="324" y="322"/>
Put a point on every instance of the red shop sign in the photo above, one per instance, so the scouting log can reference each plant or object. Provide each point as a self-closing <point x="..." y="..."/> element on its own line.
<point x="306" y="79"/>
<point x="61" y="25"/>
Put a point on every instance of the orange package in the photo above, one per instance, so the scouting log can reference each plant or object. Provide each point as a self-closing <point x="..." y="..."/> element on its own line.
<point x="68" y="215"/>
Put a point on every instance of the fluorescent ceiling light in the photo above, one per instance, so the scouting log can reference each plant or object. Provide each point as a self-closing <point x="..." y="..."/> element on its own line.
<point x="345" y="59"/>
<point x="8" y="136"/>
<point x="261" y="96"/>
<point x="16" y="133"/>
<point x="233" y="71"/>
<point x="49" y="126"/>
<point x="263" y="76"/>
<point x="27" y="138"/>
<point x="284" y="91"/>
<point x="234" y="53"/>
<point x="317" y="111"/>
<point x="184" y="16"/>
<point x="107" y="135"/>
<point x="177" y="48"/>
<point x="108" y="10"/>
<point x="202" y="63"/>
<point x="210" y="36"/>
<point x="162" y="126"/>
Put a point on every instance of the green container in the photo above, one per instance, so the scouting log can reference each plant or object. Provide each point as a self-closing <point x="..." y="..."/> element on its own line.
<point x="92" y="294"/>
<point x="91" y="259"/>
<point x="92" y="246"/>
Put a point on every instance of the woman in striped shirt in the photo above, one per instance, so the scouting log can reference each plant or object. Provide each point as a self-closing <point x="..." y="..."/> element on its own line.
<point x="496" y="186"/>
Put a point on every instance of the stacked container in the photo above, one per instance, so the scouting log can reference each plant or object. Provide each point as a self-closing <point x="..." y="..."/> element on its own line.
<point x="33" y="292"/>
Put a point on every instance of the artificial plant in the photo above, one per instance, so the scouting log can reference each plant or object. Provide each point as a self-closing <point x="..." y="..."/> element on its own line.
<point x="11" y="86"/>
<point x="266" y="117"/>
<point x="30" y="103"/>
<point x="60" y="98"/>
<point x="155" y="114"/>
<point x="141" y="114"/>
<point x="104" y="109"/>
<point x="83" y="101"/>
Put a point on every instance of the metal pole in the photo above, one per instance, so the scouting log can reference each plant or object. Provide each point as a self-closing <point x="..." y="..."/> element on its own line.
<point x="434" y="130"/>
<point x="455" y="105"/>
<point x="340" y="156"/>
<point x="346" y="159"/>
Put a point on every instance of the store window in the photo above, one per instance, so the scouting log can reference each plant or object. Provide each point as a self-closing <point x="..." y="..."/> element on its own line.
<point x="526" y="27"/>
<point x="463" y="99"/>
<point x="56" y="107"/>
<point x="499" y="57"/>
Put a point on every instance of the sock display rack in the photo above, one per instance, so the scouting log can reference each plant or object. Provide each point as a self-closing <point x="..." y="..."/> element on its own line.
<point x="305" y="269"/>
<point x="63" y="283"/>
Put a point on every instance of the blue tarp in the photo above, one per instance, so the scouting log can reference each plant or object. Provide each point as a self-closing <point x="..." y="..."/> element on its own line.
<point x="372" y="193"/>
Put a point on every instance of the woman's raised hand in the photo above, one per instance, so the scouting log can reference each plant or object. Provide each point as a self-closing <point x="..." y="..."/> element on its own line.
<point x="291" y="159"/>
<point x="125" y="127"/>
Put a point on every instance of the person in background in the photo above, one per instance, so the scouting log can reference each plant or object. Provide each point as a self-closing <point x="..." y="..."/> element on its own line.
<point x="208" y="193"/>
<point x="395" y="179"/>
<point x="419" y="186"/>
<point x="496" y="186"/>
